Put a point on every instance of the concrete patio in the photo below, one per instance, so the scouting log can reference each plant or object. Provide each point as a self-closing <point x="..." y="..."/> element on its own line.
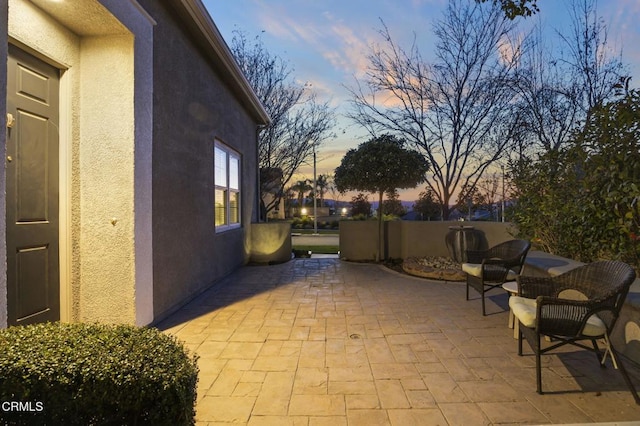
<point x="325" y="342"/>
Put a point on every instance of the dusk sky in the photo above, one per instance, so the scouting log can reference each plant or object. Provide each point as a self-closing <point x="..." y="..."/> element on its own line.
<point x="326" y="43"/>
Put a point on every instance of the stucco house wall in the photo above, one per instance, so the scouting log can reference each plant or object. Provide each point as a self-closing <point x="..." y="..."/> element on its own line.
<point x="4" y="12"/>
<point x="146" y="87"/>
<point x="102" y="50"/>
<point x="193" y="107"/>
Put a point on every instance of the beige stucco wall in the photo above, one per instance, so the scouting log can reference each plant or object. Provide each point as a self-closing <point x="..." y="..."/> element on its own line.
<point x="106" y="249"/>
<point x="270" y="242"/>
<point x="406" y="239"/>
<point x="358" y="239"/>
<point x="105" y="50"/>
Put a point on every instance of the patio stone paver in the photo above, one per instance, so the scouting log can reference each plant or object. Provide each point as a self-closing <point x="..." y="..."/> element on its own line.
<point x="317" y="342"/>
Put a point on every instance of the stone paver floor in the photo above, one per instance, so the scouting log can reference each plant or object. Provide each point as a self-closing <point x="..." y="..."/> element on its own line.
<point x="324" y="342"/>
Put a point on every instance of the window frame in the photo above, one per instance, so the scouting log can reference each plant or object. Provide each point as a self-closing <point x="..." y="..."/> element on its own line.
<point x="228" y="187"/>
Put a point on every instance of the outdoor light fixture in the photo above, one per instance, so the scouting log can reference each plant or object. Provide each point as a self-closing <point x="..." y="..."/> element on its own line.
<point x="303" y="211"/>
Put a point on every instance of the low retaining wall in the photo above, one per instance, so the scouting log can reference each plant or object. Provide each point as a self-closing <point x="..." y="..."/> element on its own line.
<point x="270" y="242"/>
<point x="404" y="239"/>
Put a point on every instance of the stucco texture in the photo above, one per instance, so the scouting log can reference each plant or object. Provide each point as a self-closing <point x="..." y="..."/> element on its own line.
<point x="106" y="187"/>
<point x="405" y="239"/>
<point x="3" y="150"/>
<point x="192" y="109"/>
<point x="102" y="167"/>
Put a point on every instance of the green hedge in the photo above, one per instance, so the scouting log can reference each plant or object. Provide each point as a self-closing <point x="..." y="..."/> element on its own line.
<point x="82" y="374"/>
<point x="307" y="223"/>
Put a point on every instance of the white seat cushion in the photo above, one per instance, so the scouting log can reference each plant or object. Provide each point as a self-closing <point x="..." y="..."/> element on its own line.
<point x="475" y="269"/>
<point x="524" y="309"/>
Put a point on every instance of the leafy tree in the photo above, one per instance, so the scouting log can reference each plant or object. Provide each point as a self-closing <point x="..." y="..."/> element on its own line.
<point x="469" y="199"/>
<point x="360" y="205"/>
<point x="515" y="8"/>
<point x="427" y="205"/>
<point x="298" y="121"/>
<point x="482" y="196"/>
<point x="392" y="205"/>
<point x="380" y="165"/>
<point x="583" y="202"/>
<point x="610" y="193"/>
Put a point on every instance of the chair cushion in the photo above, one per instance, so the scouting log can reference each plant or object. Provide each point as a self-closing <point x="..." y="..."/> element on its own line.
<point x="475" y="269"/>
<point x="524" y="309"/>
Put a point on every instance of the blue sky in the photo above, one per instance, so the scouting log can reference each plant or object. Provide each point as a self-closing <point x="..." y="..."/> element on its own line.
<point x="326" y="42"/>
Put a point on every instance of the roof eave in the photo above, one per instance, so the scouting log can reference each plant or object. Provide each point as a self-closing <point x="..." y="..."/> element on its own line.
<point x="207" y="28"/>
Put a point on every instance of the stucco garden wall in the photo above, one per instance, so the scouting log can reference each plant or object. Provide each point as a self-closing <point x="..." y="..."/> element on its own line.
<point x="192" y="108"/>
<point x="406" y="239"/>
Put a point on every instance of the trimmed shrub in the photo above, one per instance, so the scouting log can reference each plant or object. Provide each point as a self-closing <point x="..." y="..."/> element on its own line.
<point x="302" y="223"/>
<point x="301" y="254"/>
<point x="81" y="374"/>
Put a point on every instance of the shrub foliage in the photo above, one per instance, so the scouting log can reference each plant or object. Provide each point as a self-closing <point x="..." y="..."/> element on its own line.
<point x="583" y="201"/>
<point x="96" y="374"/>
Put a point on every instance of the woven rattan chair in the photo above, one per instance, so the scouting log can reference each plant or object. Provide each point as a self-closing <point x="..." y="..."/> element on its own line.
<point x="577" y="306"/>
<point x="489" y="269"/>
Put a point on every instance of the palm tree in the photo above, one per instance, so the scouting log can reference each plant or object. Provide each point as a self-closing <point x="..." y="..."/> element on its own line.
<point x="301" y="187"/>
<point x="323" y="185"/>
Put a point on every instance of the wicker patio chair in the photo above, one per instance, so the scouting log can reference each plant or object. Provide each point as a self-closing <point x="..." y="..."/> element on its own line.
<point x="489" y="269"/>
<point x="579" y="305"/>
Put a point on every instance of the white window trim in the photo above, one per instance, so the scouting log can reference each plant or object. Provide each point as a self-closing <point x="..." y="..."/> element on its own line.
<point x="230" y="153"/>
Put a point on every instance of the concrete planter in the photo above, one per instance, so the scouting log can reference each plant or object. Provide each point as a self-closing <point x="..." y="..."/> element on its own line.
<point x="270" y="242"/>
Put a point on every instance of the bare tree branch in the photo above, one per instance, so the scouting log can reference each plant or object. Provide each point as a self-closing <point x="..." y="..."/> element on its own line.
<point x="298" y="120"/>
<point x="457" y="110"/>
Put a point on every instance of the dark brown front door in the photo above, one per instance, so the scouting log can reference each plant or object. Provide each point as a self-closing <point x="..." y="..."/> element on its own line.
<point x="33" y="276"/>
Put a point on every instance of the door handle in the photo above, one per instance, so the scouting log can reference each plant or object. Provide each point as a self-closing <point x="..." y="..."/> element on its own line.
<point x="10" y="120"/>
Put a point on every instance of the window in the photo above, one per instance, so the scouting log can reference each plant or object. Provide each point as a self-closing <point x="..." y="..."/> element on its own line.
<point x="226" y="180"/>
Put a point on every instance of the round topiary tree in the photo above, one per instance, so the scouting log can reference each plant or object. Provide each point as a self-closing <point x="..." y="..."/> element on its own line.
<point x="380" y="165"/>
